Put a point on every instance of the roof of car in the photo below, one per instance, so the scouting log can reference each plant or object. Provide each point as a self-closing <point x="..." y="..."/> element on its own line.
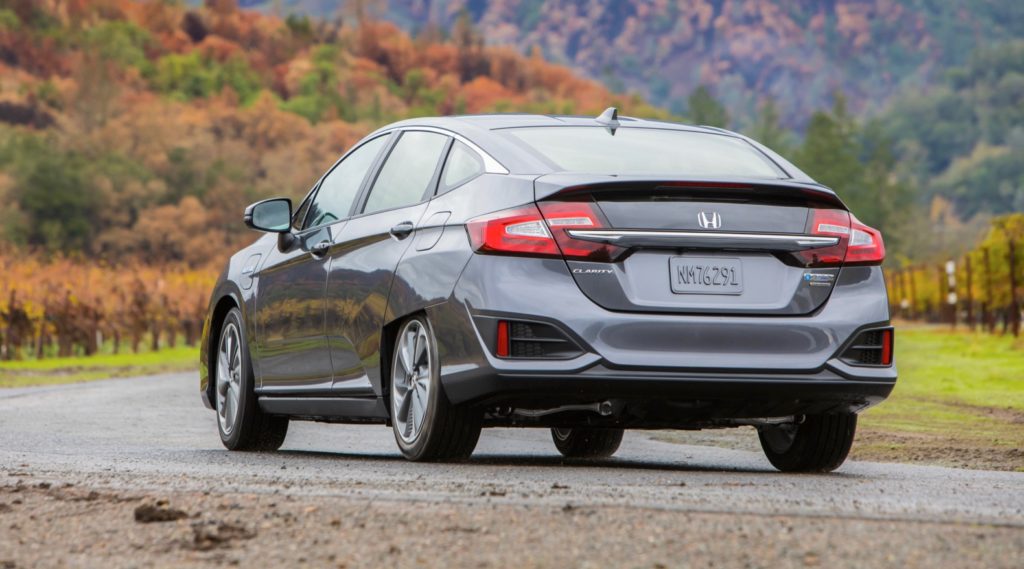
<point x="480" y="129"/>
<point x="509" y="120"/>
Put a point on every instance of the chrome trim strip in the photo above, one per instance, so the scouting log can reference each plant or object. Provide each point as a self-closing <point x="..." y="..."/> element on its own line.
<point x="491" y="165"/>
<point x="772" y="241"/>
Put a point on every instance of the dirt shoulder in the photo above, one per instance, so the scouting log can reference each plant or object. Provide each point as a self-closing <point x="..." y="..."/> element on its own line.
<point x="912" y="431"/>
<point x="942" y="433"/>
<point x="55" y="525"/>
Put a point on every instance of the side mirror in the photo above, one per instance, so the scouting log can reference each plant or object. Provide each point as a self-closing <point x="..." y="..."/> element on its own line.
<point x="273" y="215"/>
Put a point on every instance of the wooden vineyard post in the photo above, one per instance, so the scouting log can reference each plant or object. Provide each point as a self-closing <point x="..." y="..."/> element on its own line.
<point x="986" y="308"/>
<point x="951" y="300"/>
<point x="1014" y="305"/>
<point x="970" y="292"/>
<point x="913" y="293"/>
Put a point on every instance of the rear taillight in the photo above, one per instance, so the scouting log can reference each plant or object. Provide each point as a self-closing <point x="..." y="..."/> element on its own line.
<point x="866" y="245"/>
<point x="541" y="232"/>
<point x="858" y="243"/>
<point x="563" y="217"/>
<point x="519" y="231"/>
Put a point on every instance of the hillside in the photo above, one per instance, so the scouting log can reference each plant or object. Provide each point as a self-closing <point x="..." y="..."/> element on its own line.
<point x="797" y="52"/>
<point x="964" y="140"/>
<point x="139" y="130"/>
<point x="133" y="130"/>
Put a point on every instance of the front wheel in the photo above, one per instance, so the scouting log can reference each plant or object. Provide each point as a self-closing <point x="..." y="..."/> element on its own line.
<point x="427" y="426"/>
<point x="242" y="425"/>
<point x="818" y="444"/>
<point x="587" y="442"/>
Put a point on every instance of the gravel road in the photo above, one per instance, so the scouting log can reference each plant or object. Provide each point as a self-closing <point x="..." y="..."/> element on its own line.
<point x="77" y="461"/>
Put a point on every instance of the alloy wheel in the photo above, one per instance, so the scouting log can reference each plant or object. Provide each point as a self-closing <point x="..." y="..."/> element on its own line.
<point x="411" y="379"/>
<point x="229" y="378"/>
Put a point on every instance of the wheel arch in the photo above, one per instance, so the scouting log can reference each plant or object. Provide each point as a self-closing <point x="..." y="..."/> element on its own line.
<point x="388" y="337"/>
<point x="218" y="313"/>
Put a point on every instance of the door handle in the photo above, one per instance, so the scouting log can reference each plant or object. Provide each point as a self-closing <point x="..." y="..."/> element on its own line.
<point x="402" y="230"/>
<point x="321" y="248"/>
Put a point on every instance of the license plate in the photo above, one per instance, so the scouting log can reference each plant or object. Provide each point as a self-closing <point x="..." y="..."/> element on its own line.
<point x="705" y="275"/>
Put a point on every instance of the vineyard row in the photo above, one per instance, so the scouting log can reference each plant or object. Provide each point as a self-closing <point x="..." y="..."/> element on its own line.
<point x="65" y="308"/>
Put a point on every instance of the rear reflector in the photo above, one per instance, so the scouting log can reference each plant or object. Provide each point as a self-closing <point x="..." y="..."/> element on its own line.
<point x="518" y="339"/>
<point x="501" y="347"/>
<point x="886" y="347"/>
<point x="870" y="348"/>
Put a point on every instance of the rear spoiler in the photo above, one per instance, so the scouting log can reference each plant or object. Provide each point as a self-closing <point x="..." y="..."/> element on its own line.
<point x="809" y="194"/>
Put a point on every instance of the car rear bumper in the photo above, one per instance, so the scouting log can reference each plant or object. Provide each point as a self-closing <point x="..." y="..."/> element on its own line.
<point x="703" y="395"/>
<point x="704" y="366"/>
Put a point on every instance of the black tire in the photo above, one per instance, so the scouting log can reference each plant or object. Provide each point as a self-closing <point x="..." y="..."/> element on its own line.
<point x="819" y="444"/>
<point x="448" y="432"/>
<point x="251" y="429"/>
<point x="587" y="442"/>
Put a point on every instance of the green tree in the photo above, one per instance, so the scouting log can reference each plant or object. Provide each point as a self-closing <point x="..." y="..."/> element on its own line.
<point x="883" y="199"/>
<point x="190" y="76"/>
<point x="768" y="130"/>
<point x="702" y="108"/>
<point x="120" y="42"/>
<point x="319" y="93"/>
<point x="830" y="152"/>
<point x="55" y="193"/>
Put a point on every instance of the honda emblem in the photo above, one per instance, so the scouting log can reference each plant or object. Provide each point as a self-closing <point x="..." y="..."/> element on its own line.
<point x="709" y="220"/>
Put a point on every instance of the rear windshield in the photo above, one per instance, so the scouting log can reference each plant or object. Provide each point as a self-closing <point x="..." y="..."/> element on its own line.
<point x="645" y="151"/>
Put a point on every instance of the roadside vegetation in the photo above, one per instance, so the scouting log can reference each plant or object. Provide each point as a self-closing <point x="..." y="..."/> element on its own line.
<point x="959" y="402"/>
<point x="104" y="365"/>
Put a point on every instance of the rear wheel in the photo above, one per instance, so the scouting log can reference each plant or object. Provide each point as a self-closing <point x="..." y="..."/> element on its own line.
<point x="426" y="425"/>
<point x="241" y="424"/>
<point x="819" y="444"/>
<point x="587" y="442"/>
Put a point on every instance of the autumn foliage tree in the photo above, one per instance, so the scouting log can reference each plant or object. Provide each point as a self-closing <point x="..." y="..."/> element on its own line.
<point x="163" y="119"/>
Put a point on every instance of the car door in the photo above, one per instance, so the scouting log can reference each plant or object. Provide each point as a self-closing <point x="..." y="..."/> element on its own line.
<point x="291" y="343"/>
<point x="364" y="258"/>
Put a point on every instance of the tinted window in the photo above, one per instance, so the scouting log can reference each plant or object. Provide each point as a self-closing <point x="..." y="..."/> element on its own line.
<point x="338" y="190"/>
<point x="646" y="150"/>
<point x="405" y="177"/>
<point x="463" y="165"/>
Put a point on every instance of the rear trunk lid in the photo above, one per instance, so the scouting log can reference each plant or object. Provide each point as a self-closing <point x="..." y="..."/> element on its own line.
<point x="698" y="246"/>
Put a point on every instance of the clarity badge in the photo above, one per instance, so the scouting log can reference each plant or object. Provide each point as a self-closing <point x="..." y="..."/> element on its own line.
<point x="819" y="279"/>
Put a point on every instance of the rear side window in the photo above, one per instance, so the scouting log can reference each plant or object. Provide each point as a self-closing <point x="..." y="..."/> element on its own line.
<point x="406" y="175"/>
<point x="339" y="189"/>
<point x="462" y="166"/>
<point x="645" y="151"/>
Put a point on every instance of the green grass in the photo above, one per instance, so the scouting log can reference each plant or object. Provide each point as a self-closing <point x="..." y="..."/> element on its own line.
<point x="972" y="368"/>
<point x="959" y="401"/>
<point x="70" y="370"/>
